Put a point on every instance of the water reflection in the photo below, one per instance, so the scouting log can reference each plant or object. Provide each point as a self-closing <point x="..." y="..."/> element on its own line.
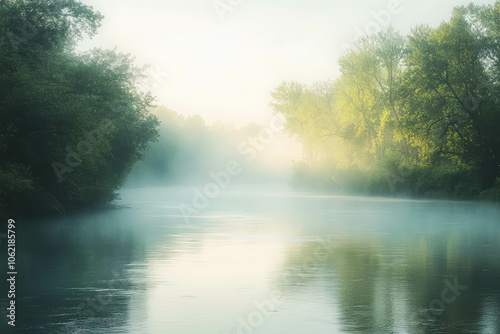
<point x="434" y="282"/>
<point x="277" y="262"/>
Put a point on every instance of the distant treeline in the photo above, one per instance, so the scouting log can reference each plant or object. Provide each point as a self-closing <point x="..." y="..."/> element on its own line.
<point x="188" y="150"/>
<point x="416" y="114"/>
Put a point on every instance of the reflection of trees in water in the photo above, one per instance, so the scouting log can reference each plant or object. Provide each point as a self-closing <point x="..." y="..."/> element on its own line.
<point x="72" y="276"/>
<point x="385" y="285"/>
<point x="88" y="273"/>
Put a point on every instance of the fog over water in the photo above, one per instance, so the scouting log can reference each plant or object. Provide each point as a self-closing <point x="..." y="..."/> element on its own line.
<point x="263" y="260"/>
<point x="190" y="151"/>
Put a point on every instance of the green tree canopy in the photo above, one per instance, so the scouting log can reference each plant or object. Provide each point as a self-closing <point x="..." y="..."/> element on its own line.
<point x="427" y="102"/>
<point x="71" y="125"/>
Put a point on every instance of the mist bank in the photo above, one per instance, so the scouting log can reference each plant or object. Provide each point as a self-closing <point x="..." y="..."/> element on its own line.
<point x="417" y="115"/>
<point x="191" y="152"/>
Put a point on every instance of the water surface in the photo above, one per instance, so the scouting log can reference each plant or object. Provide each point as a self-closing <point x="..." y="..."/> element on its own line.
<point x="262" y="260"/>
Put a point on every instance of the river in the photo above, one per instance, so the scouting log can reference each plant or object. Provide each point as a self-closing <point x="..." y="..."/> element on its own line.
<point x="263" y="260"/>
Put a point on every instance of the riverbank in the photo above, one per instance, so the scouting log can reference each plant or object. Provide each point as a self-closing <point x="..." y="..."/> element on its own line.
<point x="439" y="183"/>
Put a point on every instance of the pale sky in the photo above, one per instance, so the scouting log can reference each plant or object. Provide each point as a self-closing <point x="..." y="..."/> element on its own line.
<point x="224" y="69"/>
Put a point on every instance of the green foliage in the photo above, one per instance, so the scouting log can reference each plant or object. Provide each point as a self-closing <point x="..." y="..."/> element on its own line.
<point x="418" y="115"/>
<point x="71" y="125"/>
<point x="493" y="193"/>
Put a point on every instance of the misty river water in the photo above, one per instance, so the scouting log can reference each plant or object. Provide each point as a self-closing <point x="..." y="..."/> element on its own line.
<point x="261" y="260"/>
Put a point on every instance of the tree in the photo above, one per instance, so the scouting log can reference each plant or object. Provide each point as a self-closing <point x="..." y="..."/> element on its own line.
<point x="451" y="92"/>
<point x="71" y="125"/>
<point x="425" y="105"/>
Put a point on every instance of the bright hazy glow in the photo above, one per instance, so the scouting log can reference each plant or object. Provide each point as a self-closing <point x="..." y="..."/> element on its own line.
<point x="225" y="69"/>
<point x="209" y="281"/>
